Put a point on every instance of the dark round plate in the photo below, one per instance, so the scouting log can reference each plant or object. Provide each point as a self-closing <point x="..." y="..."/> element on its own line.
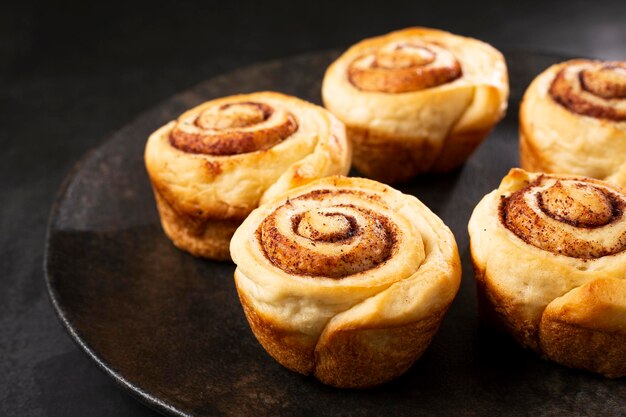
<point x="169" y="327"/>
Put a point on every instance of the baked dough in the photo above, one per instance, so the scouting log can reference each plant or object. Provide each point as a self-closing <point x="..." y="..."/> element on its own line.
<point x="416" y="100"/>
<point x="219" y="160"/>
<point x="346" y="279"/>
<point x="573" y="121"/>
<point x="550" y="262"/>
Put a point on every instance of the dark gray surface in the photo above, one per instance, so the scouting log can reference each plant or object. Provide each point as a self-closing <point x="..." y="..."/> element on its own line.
<point x="72" y="73"/>
<point x="169" y="328"/>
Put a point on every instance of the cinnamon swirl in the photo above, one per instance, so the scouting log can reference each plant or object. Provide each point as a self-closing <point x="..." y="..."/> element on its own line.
<point x="549" y="253"/>
<point x="219" y="160"/>
<point x="346" y="279"/>
<point x="416" y="100"/>
<point x="573" y="120"/>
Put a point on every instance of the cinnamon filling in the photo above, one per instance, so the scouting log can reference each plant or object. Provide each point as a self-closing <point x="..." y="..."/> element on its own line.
<point x="232" y="129"/>
<point x="401" y="67"/>
<point x="608" y="82"/>
<point x="561" y="217"/>
<point x="313" y="236"/>
<point x="578" y="204"/>
<point x="320" y="225"/>
<point x="592" y="88"/>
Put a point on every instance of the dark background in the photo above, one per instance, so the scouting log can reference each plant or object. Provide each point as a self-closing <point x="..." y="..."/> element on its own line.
<point x="72" y="73"/>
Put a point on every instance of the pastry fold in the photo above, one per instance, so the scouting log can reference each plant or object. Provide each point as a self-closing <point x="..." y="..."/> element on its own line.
<point x="210" y="168"/>
<point x="550" y="262"/>
<point x="346" y="279"/>
<point x="573" y="121"/>
<point x="416" y="100"/>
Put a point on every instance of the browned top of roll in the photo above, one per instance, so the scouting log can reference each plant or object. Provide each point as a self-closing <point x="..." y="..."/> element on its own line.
<point x="233" y="128"/>
<point x="558" y="216"/>
<point x="404" y="66"/>
<point x="592" y="88"/>
<point x="303" y="237"/>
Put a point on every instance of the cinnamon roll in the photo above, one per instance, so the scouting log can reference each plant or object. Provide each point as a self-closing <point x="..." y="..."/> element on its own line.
<point x="210" y="168"/>
<point x="346" y="279"/>
<point x="573" y="120"/>
<point x="416" y="100"/>
<point x="549" y="253"/>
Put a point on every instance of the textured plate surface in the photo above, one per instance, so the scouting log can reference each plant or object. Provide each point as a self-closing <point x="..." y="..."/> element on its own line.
<point x="169" y="328"/>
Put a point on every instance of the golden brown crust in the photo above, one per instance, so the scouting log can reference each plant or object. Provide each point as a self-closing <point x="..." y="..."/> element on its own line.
<point x="589" y="346"/>
<point x="572" y="309"/>
<point x="200" y="237"/>
<point x="583" y="348"/>
<point x="349" y="358"/>
<point x="293" y="350"/>
<point x="529" y="157"/>
<point x="372" y="153"/>
<point x="221" y="159"/>
<point x="459" y="146"/>
<point x="504" y="312"/>
<point x="363" y="358"/>
<point x="409" y="113"/>
<point x="586" y="328"/>
<point x="355" y="320"/>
